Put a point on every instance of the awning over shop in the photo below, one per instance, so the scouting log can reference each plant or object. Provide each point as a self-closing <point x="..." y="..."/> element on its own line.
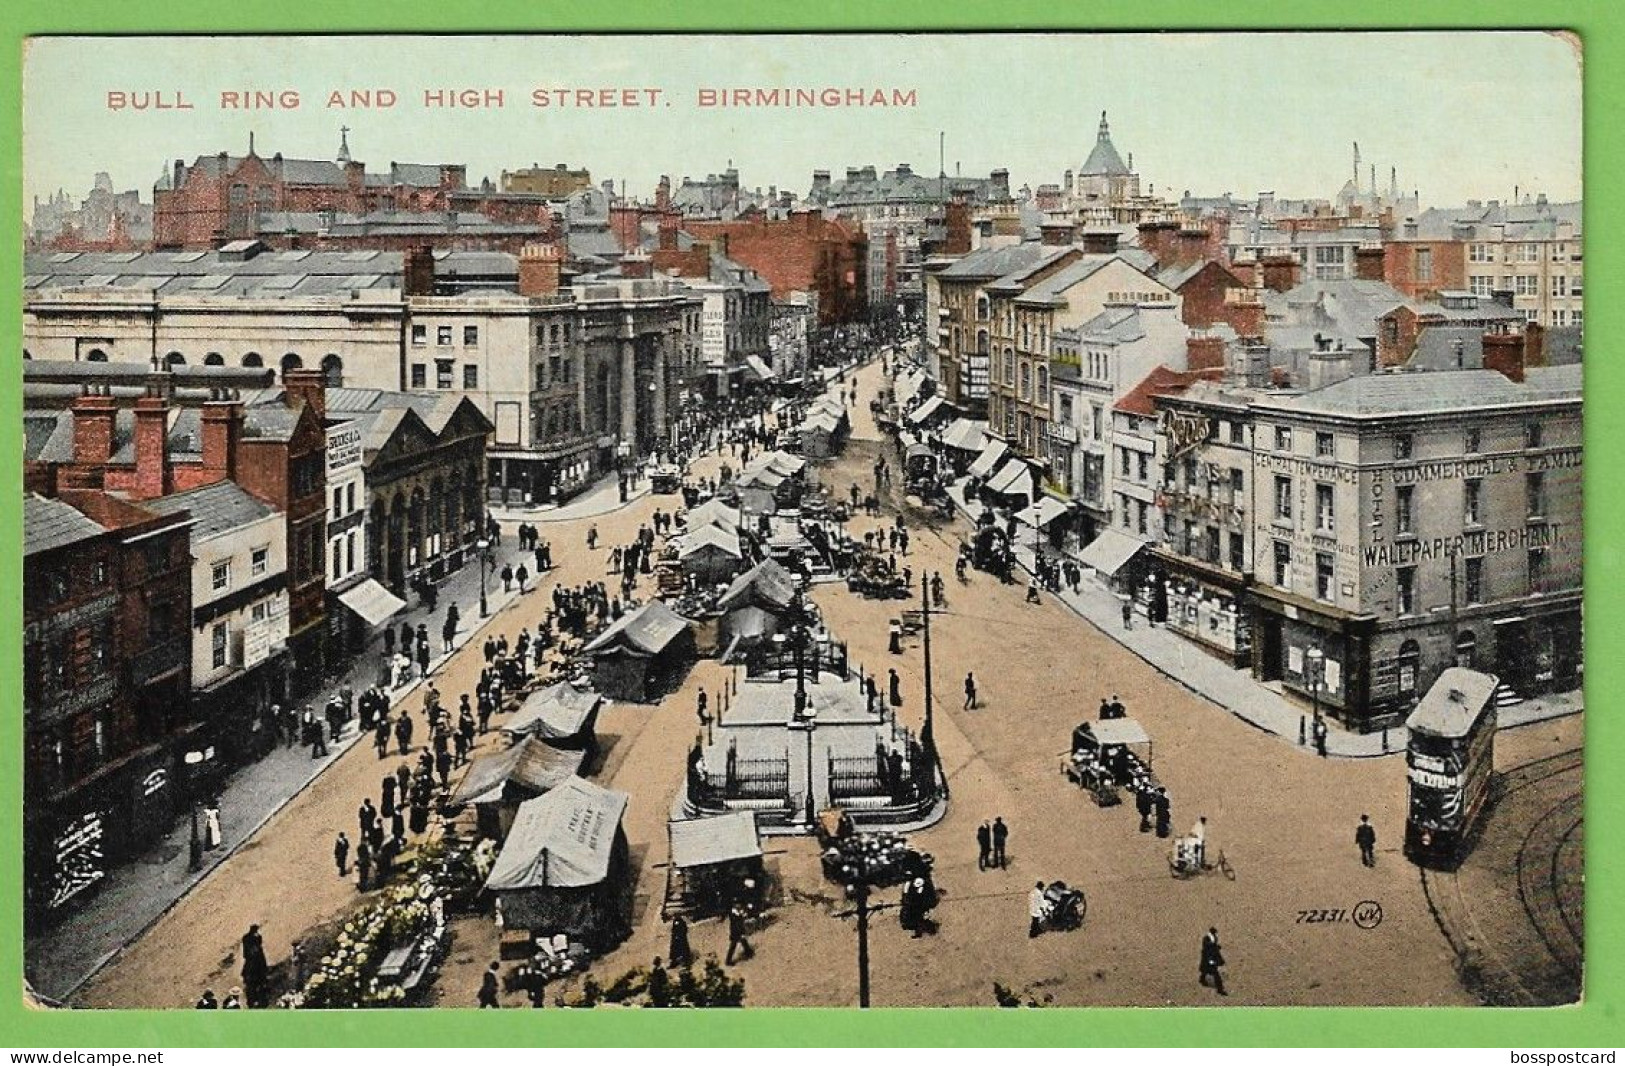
<point x="990" y="457"/>
<point x="372" y="603"/>
<point x="1108" y="552"/>
<point x="1046" y="510"/>
<point x="925" y="410"/>
<point x="1015" y="477"/>
<point x="530" y="764"/>
<point x="908" y="386"/>
<point x="563" y="839"/>
<point x="557" y="712"/>
<point x="759" y="368"/>
<point x="965" y="435"/>
<point x="718" y="839"/>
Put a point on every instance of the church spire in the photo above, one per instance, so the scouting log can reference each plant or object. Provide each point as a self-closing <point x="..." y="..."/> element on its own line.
<point x="250" y="142"/>
<point x="344" y="144"/>
<point x="1105" y="133"/>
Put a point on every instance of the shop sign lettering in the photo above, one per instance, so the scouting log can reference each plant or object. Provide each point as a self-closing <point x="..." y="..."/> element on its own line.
<point x="1484" y="542"/>
<point x="1185" y="431"/>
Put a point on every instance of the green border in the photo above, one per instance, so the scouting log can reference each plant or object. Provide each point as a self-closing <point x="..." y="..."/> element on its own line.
<point x="1597" y="1023"/>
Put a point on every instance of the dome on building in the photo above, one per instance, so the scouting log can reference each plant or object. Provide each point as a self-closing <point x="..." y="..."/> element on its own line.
<point x="1104" y="160"/>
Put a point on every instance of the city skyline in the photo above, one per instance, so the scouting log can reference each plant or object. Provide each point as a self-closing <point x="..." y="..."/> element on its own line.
<point x="1422" y="110"/>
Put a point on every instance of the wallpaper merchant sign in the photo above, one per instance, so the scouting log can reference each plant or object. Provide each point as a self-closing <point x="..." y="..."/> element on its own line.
<point x="1482" y="542"/>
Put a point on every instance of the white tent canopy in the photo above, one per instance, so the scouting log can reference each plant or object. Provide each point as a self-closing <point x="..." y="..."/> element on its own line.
<point x="984" y="464"/>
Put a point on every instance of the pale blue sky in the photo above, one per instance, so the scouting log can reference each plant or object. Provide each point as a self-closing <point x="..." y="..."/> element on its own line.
<point x="1462" y="115"/>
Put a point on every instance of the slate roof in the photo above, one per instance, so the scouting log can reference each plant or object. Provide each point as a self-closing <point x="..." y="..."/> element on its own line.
<point x="998" y="262"/>
<point x="49" y="524"/>
<point x="1103" y="158"/>
<point x="1427" y="392"/>
<point x="216" y="509"/>
<point x="1049" y="291"/>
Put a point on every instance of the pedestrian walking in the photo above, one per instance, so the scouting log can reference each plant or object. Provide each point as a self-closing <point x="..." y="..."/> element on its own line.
<point x="895" y="644"/>
<point x="403" y="732"/>
<point x="700" y="704"/>
<point x="1211" y="967"/>
<point x="1144" y="805"/>
<point x="489" y="987"/>
<point x="1032" y="592"/>
<point x="407" y="638"/>
<point x="1320" y="731"/>
<point x="1001" y="834"/>
<point x="1128" y="613"/>
<point x="736" y="934"/>
<point x="207" y="1001"/>
<point x="894" y="688"/>
<point x="984" y="846"/>
<point x="1164" y="812"/>
<point x="521" y="575"/>
<point x="380" y="735"/>
<point x="363" y="865"/>
<point x="365" y="816"/>
<point x="255" y="969"/>
<point x="681" y="954"/>
<point x="423" y="659"/>
<point x="1116" y="707"/>
<point x="1365" y="835"/>
<point x="592" y="537"/>
<point x="1037" y="910"/>
<point x="341" y="854"/>
<point x="317" y="739"/>
<point x="448" y="630"/>
<point x="970" y="692"/>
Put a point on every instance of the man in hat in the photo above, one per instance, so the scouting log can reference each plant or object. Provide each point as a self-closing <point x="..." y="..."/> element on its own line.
<point x="970" y="692"/>
<point x="736" y="934"/>
<point x="489" y="987"/>
<point x="1365" y="835"/>
<point x="341" y="854"/>
<point x="1210" y="968"/>
<point x="984" y="846"/>
<point x="894" y="688"/>
<point x="1001" y="833"/>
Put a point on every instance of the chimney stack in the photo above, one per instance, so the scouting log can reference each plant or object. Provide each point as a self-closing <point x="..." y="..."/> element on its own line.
<point x="222" y="433"/>
<point x="1100" y="241"/>
<point x="1056" y="234"/>
<point x="152" y="477"/>
<point x="1204" y="352"/>
<point x="419" y="271"/>
<point x="93" y="416"/>
<point x="1504" y="352"/>
<point x="309" y="386"/>
<point x="540" y="266"/>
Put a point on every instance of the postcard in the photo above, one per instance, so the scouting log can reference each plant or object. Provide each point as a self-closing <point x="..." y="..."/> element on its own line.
<point x="812" y="520"/>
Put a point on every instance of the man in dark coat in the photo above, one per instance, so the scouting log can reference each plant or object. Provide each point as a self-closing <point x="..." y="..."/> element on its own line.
<point x="1164" y="812"/>
<point x="681" y="954"/>
<point x="341" y="854"/>
<point x="380" y="735"/>
<point x="365" y="816"/>
<point x="894" y="688"/>
<point x="984" y="846"/>
<point x="255" y="968"/>
<point x="1210" y="969"/>
<point x="407" y="638"/>
<point x="387" y="795"/>
<point x="1365" y="835"/>
<point x="736" y="934"/>
<point x="1001" y="833"/>
<point x="403" y="732"/>
<point x="363" y="865"/>
<point x="423" y="659"/>
<point x="1144" y="804"/>
<point x="970" y="692"/>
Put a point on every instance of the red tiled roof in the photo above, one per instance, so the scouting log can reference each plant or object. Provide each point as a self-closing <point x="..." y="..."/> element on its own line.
<point x="1161" y="381"/>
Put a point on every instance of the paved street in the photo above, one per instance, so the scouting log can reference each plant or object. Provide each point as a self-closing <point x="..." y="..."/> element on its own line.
<point x="1285" y="822"/>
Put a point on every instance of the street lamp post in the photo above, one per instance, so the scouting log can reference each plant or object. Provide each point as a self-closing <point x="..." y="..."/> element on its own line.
<point x="1316" y="659"/>
<point x="194" y="763"/>
<point x="485" y="564"/>
<point x="859" y="892"/>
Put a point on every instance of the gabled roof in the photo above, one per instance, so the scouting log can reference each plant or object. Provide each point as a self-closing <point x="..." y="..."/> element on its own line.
<point x="712" y="537"/>
<point x="1052" y="290"/>
<point x="767" y="582"/>
<point x="1427" y="392"/>
<point x="647" y="630"/>
<point x="997" y="262"/>
<point x="564" y="839"/>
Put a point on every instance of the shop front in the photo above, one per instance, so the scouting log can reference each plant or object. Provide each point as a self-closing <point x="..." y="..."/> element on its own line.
<point x="1320" y="654"/>
<point x="1207" y="606"/>
<point x="235" y="708"/>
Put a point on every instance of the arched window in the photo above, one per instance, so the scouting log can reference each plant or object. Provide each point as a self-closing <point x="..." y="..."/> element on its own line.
<point x="1466" y="648"/>
<point x="332" y="371"/>
<point x="95" y="355"/>
<point x="214" y="359"/>
<point x="1410" y="659"/>
<point x="291" y="361"/>
<point x="174" y="359"/>
<point x="253" y="359"/>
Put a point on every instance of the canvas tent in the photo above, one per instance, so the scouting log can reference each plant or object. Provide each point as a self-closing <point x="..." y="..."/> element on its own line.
<point x="992" y="454"/>
<point x="564" y="867"/>
<point x="712" y="861"/>
<point x="643" y="654"/>
<point x="712" y="512"/>
<point x="560" y="714"/>
<point x="1013" y="482"/>
<point x="711" y="554"/>
<point x="498" y="783"/>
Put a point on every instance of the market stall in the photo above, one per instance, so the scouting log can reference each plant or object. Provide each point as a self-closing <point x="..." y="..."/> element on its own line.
<point x="716" y="861"/>
<point x="498" y="783"/>
<point x="565" y="868"/>
<point x="710" y="554"/>
<point x="561" y="715"/>
<point x="643" y="655"/>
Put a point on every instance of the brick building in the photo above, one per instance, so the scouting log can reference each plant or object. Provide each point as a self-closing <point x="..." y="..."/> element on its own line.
<point x="220" y="198"/>
<point x="802" y="253"/>
<point x="106" y="679"/>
